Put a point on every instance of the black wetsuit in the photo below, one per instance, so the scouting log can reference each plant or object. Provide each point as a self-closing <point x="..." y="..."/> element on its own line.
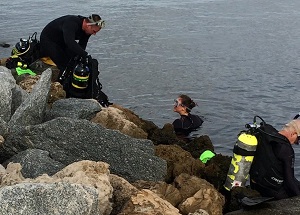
<point x="58" y="40"/>
<point x="272" y="170"/>
<point x="186" y="124"/>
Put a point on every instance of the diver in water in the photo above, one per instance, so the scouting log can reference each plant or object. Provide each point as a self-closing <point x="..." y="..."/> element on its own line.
<point x="187" y="121"/>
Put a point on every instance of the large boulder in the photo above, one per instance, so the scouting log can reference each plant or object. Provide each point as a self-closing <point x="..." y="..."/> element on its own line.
<point x="55" y="199"/>
<point x="3" y="127"/>
<point x="18" y="97"/>
<point x="7" y="84"/>
<point x="216" y="169"/>
<point x="122" y="193"/>
<point x="188" y="193"/>
<point x="197" y="194"/>
<point x="179" y="161"/>
<point x="147" y="202"/>
<point x="165" y="191"/>
<point x="35" y="162"/>
<point x="74" y="108"/>
<point x="32" y="110"/>
<point x="89" y="175"/>
<point x="164" y="136"/>
<point x="69" y="140"/>
<point x="56" y="89"/>
<point x="118" y="118"/>
<point x="197" y="145"/>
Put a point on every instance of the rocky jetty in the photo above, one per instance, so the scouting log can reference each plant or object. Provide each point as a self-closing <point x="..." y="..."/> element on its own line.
<point x="72" y="156"/>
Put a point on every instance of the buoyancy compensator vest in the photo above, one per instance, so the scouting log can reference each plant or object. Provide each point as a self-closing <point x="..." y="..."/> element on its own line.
<point x="267" y="169"/>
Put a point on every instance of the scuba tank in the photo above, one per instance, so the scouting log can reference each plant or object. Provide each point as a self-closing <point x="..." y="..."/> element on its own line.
<point x="80" y="76"/>
<point x="243" y="154"/>
<point x="21" y="47"/>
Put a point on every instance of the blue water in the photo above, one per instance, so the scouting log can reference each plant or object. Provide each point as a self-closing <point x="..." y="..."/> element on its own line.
<point x="235" y="58"/>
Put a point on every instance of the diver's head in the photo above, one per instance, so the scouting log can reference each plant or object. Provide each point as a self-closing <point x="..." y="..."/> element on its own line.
<point x="292" y="131"/>
<point x="93" y="24"/>
<point x="183" y="104"/>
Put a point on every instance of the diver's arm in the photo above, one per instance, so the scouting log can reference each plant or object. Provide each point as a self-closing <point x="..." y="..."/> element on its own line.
<point x="84" y="41"/>
<point x="69" y="29"/>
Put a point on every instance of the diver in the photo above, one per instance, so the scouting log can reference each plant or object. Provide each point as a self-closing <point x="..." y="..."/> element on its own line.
<point x="272" y="169"/>
<point x="58" y="39"/>
<point x="187" y="122"/>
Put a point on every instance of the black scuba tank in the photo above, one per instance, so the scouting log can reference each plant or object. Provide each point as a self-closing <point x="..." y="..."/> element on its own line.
<point x="80" y="76"/>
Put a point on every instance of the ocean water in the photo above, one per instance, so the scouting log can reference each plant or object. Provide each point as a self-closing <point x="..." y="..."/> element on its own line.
<point x="235" y="58"/>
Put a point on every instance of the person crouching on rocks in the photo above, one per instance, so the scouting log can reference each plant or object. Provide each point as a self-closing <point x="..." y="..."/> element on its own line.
<point x="187" y="122"/>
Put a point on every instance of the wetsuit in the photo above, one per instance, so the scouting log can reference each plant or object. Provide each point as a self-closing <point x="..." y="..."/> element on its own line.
<point x="272" y="170"/>
<point x="58" y="40"/>
<point x="186" y="124"/>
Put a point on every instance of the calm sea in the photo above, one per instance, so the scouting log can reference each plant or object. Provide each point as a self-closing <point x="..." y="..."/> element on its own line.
<point x="235" y="58"/>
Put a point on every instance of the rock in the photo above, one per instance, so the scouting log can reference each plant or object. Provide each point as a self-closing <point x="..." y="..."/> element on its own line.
<point x="122" y="193"/>
<point x="3" y="61"/>
<point x="57" y="198"/>
<point x="3" y="127"/>
<point x="56" y="92"/>
<point x="197" y="146"/>
<point x="89" y="174"/>
<point x="165" y="191"/>
<point x="7" y="84"/>
<point x="29" y="82"/>
<point x="12" y="175"/>
<point x="2" y="171"/>
<point x="18" y="97"/>
<point x="164" y="136"/>
<point x="1" y="140"/>
<point x="199" y="212"/>
<point x="74" y="108"/>
<point x="69" y="140"/>
<point x="179" y="161"/>
<point x="35" y="162"/>
<point x="56" y="89"/>
<point x="148" y="203"/>
<point x="197" y="194"/>
<point x="115" y="118"/>
<point x="32" y="110"/>
<point x="216" y="169"/>
<point x="6" y="76"/>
